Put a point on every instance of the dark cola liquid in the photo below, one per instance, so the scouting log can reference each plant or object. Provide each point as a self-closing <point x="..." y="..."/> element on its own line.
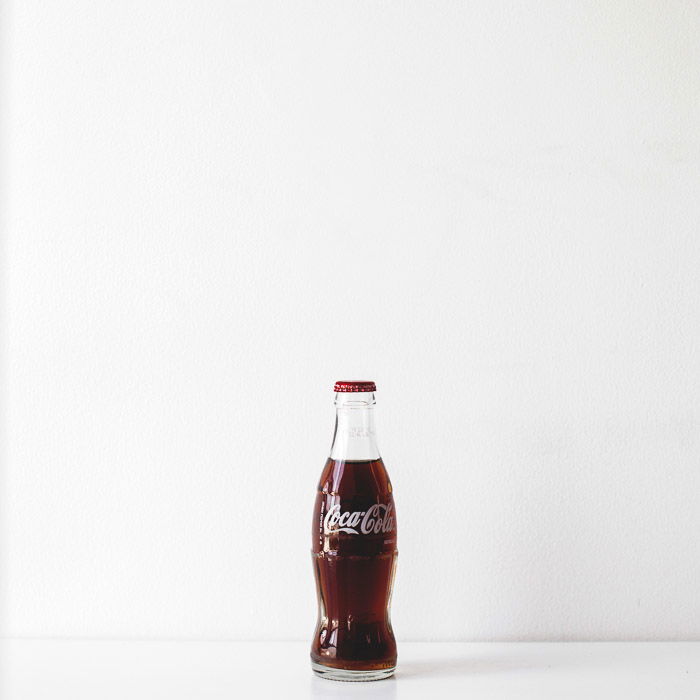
<point x="354" y="555"/>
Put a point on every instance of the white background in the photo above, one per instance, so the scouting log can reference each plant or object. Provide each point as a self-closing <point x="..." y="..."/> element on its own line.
<point x="213" y="210"/>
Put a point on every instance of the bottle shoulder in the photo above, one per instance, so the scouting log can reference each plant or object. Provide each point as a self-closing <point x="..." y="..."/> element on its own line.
<point x="354" y="476"/>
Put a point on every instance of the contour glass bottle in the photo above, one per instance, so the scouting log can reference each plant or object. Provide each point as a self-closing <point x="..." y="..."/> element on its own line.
<point x="354" y="547"/>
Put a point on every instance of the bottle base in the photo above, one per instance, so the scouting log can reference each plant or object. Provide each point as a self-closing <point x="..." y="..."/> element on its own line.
<point x="342" y="674"/>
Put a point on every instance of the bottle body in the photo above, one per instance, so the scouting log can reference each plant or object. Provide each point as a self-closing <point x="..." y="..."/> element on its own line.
<point x="354" y="555"/>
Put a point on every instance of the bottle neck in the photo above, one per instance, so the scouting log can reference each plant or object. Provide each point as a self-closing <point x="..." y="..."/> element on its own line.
<point x="355" y="436"/>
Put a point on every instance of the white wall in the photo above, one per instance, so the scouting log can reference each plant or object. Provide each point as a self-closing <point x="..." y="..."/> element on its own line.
<point x="214" y="210"/>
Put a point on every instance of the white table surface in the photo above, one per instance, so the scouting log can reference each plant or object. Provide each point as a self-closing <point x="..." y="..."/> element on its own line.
<point x="131" y="670"/>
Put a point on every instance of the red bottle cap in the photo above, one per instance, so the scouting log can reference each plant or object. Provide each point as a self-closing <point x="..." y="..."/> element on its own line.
<point x="355" y="385"/>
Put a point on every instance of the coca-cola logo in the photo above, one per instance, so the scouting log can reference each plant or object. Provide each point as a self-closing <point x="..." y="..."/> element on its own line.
<point x="377" y="518"/>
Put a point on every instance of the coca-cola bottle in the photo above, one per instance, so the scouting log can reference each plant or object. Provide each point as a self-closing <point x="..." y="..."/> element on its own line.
<point x="354" y="547"/>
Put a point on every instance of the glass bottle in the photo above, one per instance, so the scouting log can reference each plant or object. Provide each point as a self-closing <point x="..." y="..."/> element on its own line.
<point x="354" y="547"/>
